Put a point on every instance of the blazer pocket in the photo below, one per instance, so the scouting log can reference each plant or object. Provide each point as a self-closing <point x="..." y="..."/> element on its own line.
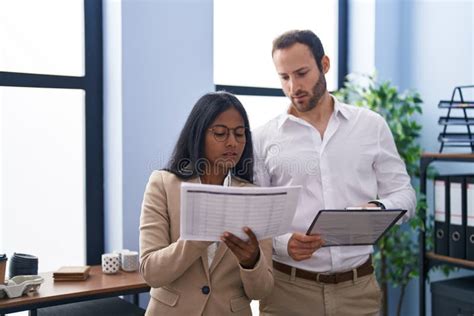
<point x="239" y="303"/>
<point x="165" y="296"/>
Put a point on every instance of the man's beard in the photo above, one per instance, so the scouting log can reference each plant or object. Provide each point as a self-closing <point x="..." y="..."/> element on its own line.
<point x="318" y="91"/>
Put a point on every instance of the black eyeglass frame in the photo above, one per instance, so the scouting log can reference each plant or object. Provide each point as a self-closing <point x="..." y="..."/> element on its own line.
<point x="242" y="139"/>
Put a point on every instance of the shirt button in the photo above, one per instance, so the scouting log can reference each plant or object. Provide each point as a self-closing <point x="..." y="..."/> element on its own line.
<point x="205" y="289"/>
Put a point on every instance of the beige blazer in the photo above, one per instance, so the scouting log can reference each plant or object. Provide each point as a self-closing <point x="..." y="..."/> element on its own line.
<point x="178" y="272"/>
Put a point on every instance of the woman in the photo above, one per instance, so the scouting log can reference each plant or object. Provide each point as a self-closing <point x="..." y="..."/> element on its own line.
<point x="200" y="277"/>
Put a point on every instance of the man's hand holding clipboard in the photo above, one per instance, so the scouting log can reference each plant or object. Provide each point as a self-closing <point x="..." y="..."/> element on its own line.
<point x="302" y="247"/>
<point x="353" y="227"/>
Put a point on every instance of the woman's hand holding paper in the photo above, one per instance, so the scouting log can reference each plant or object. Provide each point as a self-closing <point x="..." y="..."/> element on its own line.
<point x="247" y="252"/>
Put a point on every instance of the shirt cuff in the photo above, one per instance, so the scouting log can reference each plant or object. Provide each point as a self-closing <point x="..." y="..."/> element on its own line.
<point x="280" y="245"/>
<point x="389" y="205"/>
<point x="379" y="203"/>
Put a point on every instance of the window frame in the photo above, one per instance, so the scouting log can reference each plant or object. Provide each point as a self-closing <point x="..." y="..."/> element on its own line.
<point x="342" y="61"/>
<point x="92" y="84"/>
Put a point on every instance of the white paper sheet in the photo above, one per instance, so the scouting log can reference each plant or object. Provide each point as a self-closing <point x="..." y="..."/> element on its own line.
<point x="207" y="211"/>
<point x="353" y="227"/>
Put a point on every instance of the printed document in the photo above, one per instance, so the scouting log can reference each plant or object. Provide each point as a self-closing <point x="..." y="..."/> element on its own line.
<point x="207" y="211"/>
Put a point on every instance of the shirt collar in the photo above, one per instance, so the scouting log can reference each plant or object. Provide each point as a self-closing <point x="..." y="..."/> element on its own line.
<point x="338" y="108"/>
<point x="342" y="108"/>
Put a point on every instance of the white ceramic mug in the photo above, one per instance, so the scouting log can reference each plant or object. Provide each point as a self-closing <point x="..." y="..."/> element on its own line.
<point x="110" y="263"/>
<point x="119" y="252"/>
<point x="130" y="261"/>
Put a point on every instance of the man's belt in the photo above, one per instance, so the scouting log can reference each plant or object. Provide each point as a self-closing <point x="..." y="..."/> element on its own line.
<point x="365" y="269"/>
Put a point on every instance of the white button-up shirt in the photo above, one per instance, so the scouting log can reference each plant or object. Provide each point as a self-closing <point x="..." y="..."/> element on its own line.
<point x="356" y="161"/>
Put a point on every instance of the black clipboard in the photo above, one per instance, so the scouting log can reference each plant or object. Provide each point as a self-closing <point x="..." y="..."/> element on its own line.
<point x="353" y="227"/>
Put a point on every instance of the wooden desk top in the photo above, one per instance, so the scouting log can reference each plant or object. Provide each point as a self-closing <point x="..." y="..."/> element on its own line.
<point x="97" y="285"/>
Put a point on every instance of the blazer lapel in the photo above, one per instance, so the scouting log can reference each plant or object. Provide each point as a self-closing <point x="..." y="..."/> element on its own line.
<point x="205" y="264"/>
<point x="220" y="252"/>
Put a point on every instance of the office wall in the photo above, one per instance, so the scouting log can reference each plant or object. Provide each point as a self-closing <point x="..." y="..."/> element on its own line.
<point x="158" y="61"/>
<point x="167" y="65"/>
<point x="428" y="46"/>
<point x="361" y="46"/>
<point x="113" y="173"/>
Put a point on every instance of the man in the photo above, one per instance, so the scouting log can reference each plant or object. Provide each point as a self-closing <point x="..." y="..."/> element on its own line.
<point x="342" y="156"/>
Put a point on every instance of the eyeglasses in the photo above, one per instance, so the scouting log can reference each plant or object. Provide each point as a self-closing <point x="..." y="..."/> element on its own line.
<point x="221" y="133"/>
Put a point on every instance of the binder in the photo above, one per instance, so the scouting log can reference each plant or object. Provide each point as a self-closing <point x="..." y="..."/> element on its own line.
<point x="441" y="207"/>
<point x="470" y="218"/>
<point x="457" y="217"/>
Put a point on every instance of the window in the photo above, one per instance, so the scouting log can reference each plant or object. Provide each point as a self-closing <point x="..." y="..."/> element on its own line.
<point x="42" y="37"/>
<point x="51" y="147"/>
<point x="243" y="35"/>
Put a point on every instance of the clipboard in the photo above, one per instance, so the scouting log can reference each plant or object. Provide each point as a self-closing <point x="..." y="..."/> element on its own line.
<point x="353" y="227"/>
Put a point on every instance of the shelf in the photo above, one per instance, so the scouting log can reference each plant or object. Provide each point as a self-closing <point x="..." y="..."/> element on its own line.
<point x="448" y="156"/>
<point x="455" y="138"/>
<point x="444" y="104"/>
<point x="467" y="264"/>
<point x="428" y="260"/>
<point x="461" y="121"/>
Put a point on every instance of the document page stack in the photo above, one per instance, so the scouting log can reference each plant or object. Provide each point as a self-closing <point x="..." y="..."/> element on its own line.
<point x="207" y="211"/>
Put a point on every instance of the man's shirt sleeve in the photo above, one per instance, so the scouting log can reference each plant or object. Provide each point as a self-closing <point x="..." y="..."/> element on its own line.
<point x="394" y="187"/>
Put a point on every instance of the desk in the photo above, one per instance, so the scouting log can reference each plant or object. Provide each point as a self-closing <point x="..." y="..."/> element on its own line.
<point x="98" y="285"/>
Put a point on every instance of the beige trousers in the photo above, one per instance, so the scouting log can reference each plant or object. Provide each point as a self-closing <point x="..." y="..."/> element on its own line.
<point x="297" y="296"/>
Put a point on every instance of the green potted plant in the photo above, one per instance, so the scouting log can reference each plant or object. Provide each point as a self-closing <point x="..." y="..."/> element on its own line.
<point x="396" y="255"/>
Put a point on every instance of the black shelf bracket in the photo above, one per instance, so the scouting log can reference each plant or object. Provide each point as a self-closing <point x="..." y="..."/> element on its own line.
<point x="457" y="139"/>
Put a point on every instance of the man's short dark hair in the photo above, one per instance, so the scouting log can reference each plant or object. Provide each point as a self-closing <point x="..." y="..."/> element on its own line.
<point x="304" y="37"/>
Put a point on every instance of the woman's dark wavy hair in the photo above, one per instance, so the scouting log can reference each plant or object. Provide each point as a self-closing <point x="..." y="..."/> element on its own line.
<point x="188" y="156"/>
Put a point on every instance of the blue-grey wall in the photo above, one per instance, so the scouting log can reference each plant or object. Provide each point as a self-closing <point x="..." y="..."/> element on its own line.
<point x="167" y="65"/>
<point x="427" y="46"/>
<point x="158" y="62"/>
<point x="361" y="46"/>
